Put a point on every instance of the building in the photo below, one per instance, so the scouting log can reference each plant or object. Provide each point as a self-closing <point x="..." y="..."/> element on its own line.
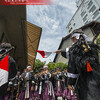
<point x="23" y="35"/>
<point x="92" y="30"/>
<point x="86" y="13"/>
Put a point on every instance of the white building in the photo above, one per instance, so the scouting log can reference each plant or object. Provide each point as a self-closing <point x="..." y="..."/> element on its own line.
<point x="92" y="30"/>
<point x="86" y="12"/>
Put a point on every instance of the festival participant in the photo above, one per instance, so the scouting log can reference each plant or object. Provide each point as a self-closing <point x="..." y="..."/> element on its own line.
<point x="59" y="83"/>
<point x="21" y="86"/>
<point x="41" y="81"/>
<point x="83" y="67"/>
<point x="53" y="78"/>
<point x="9" y="91"/>
<point x="28" y="84"/>
<point x="36" y="87"/>
<point x="10" y="71"/>
<point x="48" y="92"/>
<point x="67" y="94"/>
<point x="15" y="86"/>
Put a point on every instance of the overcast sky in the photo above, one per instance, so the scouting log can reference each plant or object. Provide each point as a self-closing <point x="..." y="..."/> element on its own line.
<point x="53" y="20"/>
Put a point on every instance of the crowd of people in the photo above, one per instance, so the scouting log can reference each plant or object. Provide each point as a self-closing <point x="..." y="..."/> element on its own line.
<point x="44" y="85"/>
<point x="79" y="81"/>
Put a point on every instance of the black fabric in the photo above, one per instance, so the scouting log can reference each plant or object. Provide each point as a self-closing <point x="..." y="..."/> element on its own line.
<point x="63" y="53"/>
<point x="89" y="82"/>
<point x="53" y="81"/>
<point x="22" y="84"/>
<point x="65" y="82"/>
<point x="58" y="76"/>
<point x="12" y="68"/>
<point x="37" y="82"/>
<point x="3" y="89"/>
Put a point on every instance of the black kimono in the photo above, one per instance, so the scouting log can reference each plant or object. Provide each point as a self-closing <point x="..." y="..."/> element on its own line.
<point x="88" y="81"/>
<point x="59" y="84"/>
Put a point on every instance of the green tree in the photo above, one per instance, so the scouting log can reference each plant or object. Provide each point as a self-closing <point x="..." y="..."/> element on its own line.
<point x="98" y="40"/>
<point x="38" y="65"/>
<point x="61" y="65"/>
<point x="98" y="43"/>
<point x="51" y="65"/>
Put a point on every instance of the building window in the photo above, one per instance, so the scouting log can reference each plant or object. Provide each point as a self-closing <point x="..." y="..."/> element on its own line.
<point x="92" y="9"/>
<point x="70" y="30"/>
<point x="96" y="14"/>
<point x="74" y="24"/>
<point x="83" y="13"/>
<point x="98" y="19"/>
<point x="85" y="18"/>
<point x="90" y="4"/>
<point x="86" y="22"/>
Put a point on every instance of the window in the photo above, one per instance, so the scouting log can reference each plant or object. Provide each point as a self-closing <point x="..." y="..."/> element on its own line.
<point x="74" y="24"/>
<point x="98" y="19"/>
<point x="83" y="13"/>
<point x="96" y="14"/>
<point x="85" y="18"/>
<point x="92" y="9"/>
<point x="86" y="22"/>
<point x="70" y="30"/>
<point x="90" y="4"/>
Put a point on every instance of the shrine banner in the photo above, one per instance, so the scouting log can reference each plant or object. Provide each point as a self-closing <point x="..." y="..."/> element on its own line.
<point x="26" y="2"/>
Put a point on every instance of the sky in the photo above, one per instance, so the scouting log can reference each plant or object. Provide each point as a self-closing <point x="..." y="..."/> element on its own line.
<point x="53" y="20"/>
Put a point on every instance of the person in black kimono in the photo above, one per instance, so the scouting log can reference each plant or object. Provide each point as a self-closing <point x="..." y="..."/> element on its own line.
<point x="84" y="68"/>
<point x="53" y="78"/>
<point x="59" y="83"/>
<point x="29" y="77"/>
<point x="48" y="92"/>
<point x="16" y="83"/>
<point x="8" y="95"/>
<point x="22" y="86"/>
<point x="36" y="86"/>
<point x="12" y="67"/>
<point x="65" y="92"/>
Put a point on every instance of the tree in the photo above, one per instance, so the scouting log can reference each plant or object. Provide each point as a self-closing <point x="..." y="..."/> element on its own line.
<point x="98" y="40"/>
<point x="51" y="65"/>
<point x="98" y="43"/>
<point x="61" y="65"/>
<point x="38" y="65"/>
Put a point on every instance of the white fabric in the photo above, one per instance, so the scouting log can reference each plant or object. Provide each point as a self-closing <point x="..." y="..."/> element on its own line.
<point x="72" y="93"/>
<point x="28" y="66"/>
<point x="40" y="88"/>
<point x="3" y="77"/>
<point x="58" y="85"/>
<point x="71" y="75"/>
<point x="67" y="52"/>
<point x="10" y="83"/>
<point x="27" y="90"/>
<point x="45" y="66"/>
<point x="50" y="89"/>
<point x="27" y="75"/>
<point x="36" y="87"/>
<point x="33" y="82"/>
<point x="77" y="35"/>
<point x="47" y="54"/>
